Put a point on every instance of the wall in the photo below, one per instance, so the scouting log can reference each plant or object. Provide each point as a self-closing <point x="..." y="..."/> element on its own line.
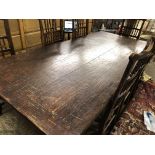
<point x="31" y="32"/>
<point x="15" y="32"/>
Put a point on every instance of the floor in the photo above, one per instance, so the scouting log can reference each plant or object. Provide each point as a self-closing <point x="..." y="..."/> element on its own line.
<point x="150" y="69"/>
<point x="13" y="123"/>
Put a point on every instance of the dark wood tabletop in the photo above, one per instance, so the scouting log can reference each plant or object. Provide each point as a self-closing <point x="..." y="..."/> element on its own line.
<point x="63" y="87"/>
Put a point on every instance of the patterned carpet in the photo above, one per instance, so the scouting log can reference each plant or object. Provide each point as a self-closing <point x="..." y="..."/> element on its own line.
<point x="13" y="123"/>
<point x="132" y="120"/>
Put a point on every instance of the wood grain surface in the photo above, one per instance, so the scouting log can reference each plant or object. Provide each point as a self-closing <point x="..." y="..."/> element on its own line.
<point x="63" y="87"/>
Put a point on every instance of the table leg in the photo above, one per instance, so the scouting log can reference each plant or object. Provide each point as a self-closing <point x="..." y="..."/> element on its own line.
<point x="68" y="36"/>
<point x="1" y="104"/>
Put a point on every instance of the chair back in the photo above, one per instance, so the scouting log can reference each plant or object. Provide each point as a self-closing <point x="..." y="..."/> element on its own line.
<point x="50" y="31"/>
<point x="81" y="29"/>
<point x="127" y="86"/>
<point x="132" y="28"/>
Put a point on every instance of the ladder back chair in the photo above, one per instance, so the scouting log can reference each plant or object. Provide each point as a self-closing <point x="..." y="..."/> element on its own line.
<point x="97" y="24"/>
<point x="132" y="28"/>
<point x="50" y="31"/>
<point x="82" y="28"/>
<point x="127" y="87"/>
<point x="112" y="25"/>
<point x="6" y="44"/>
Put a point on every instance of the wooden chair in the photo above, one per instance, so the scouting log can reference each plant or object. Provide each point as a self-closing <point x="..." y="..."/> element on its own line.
<point x="97" y="24"/>
<point x="131" y="122"/>
<point x="82" y="28"/>
<point x="132" y="28"/>
<point x="112" y="25"/>
<point x="50" y="32"/>
<point x="127" y="87"/>
<point x="6" y="44"/>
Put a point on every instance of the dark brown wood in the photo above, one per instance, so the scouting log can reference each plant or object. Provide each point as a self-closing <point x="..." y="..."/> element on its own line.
<point x="6" y="44"/>
<point x="132" y="28"/>
<point x="1" y="104"/>
<point x="82" y="28"/>
<point x="96" y="24"/>
<point x="63" y="87"/>
<point x="113" y="25"/>
<point x="127" y="86"/>
<point x="0" y="109"/>
<point x="50" y="32"/>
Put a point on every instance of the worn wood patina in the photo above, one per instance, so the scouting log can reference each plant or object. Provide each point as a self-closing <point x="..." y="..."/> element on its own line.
<point x="63" y="87"/>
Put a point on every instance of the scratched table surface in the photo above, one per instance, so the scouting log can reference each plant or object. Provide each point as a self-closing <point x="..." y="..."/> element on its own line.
<point x="63" y="87"/>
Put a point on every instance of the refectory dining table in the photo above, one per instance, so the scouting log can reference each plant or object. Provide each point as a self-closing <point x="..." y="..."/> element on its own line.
<point x="62" y="88"/>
